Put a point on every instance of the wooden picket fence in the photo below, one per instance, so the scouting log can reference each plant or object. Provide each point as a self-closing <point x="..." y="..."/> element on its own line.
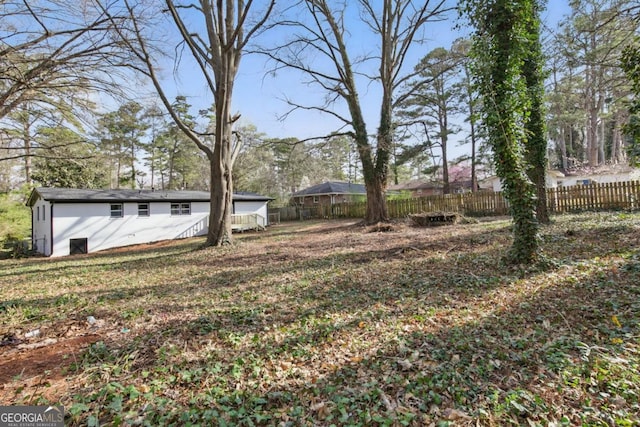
<point x="608" y="196"/>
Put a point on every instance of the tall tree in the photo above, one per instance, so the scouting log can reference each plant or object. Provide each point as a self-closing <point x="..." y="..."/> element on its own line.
<point x="24" y="120"/>
<point x="432" y="107"/>
<point x="120" y="134"/>
<point x="178" y="156"/>
<point x="216" y="44"/>
<point x="75" y="163"/>
<point x="590" y="44"/>
<point x="255" y="169"/>
<point x="566" y="115"/>
<point x="155" y="119"/>
<point x="469" y="104"/>
<point x="321" y="33"/>
<point x="501" y="45"/>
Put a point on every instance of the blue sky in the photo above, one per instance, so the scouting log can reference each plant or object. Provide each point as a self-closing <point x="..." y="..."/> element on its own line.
<point x="258" y="97"/>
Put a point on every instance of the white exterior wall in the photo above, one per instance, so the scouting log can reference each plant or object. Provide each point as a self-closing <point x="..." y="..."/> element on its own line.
<point x="549" y="181"/>
<point x="247" y="207"/>
<point x="571" y="180"/>
<point x="93" y="221"/>
<point x="41" y="227"/>
<point x="599" y="179"/>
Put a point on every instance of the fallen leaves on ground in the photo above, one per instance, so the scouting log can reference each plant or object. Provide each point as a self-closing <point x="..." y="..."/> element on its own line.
<point x="326" y="323"/>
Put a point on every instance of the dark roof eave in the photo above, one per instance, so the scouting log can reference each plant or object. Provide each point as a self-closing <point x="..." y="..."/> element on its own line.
<point x="116" y="196"/>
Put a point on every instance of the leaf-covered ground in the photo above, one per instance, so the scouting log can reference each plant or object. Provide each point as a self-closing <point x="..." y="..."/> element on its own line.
<point x="326" y="323"/>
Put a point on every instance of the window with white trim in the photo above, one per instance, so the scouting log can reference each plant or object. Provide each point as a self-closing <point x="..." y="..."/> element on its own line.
<point x="143" y="209"/>
<point x="117" y="210"/>
<point x="180" y="208"/>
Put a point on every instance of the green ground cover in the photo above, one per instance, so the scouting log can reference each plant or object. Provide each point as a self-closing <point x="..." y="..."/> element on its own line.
<point x="325" y="323"/>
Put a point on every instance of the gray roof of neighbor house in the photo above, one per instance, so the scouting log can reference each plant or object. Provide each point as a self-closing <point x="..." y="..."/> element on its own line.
<point x="77" y="195"/>
<point x="332" y="187"/>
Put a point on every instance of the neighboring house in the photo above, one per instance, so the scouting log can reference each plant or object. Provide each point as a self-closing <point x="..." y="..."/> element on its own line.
<point x="329" y="193"/>
<point x="494" y="183"/>
<point x="585" y="176"/>
<point x="599" y="175"/>
<point x="71" y="221"/>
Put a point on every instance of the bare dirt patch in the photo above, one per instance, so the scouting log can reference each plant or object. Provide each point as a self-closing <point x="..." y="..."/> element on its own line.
<point x="31" y="366"/>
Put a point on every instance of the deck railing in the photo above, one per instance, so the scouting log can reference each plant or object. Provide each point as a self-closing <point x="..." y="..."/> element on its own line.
<point x="252" y="221"/>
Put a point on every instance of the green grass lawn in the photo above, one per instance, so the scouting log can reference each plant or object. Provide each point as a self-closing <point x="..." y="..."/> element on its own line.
<point x="15" y="222"/>
<point x="324" y="323"/>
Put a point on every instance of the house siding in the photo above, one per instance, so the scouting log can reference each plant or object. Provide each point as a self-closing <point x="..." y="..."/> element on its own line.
<point x="41" y="226"/>
<point x="600" y="179"/>
<point x="92" y="221"/>
<point x="554" y="180"/>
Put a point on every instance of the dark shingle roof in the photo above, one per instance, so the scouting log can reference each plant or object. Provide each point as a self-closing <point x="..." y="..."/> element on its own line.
<point x="332" y="187"/>
<point x="76" y="195"/>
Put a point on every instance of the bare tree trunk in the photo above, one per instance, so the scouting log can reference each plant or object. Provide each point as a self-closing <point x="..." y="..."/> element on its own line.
<point x="472" y="128"/>
<point x="444" y="139"/>
<point x="376" y="203"/>
<point x="562" y="146"/>
<point x="171" y="172"/>
<point x="118" y="168"/>
<point x="26" y="134"/>
<point x="133" y="162"/>
<point x="592" y="119"/>
<point x="601" y="141"/>
<point x="376" y="185"/>
<point x="618" y="155"/>
<point x="221" y="167"/>
<point x="153" y="165"/>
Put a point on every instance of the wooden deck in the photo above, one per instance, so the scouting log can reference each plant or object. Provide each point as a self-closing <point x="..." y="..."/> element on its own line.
<point x="245" y="222"/>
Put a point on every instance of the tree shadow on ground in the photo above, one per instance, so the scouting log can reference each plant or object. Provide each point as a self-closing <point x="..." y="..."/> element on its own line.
<point x="407" y="330"/>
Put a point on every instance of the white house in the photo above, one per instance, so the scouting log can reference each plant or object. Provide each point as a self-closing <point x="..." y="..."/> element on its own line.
<point x="600" y="175"/>
<point x="73" y="221"/>
<point x="551" y="181"/>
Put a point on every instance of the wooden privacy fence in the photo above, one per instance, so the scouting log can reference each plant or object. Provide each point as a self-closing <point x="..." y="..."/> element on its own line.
<point x="608" y="196"/>
<point x="612" y="195"/>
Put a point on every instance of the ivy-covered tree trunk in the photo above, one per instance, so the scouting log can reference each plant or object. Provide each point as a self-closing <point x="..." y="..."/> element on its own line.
<point x="500" y="48"/>
<point x="375" y="181"/>
<point x="631" y="66"/>
<point x="535" y="126"/>
<point x="376" y="200"/>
